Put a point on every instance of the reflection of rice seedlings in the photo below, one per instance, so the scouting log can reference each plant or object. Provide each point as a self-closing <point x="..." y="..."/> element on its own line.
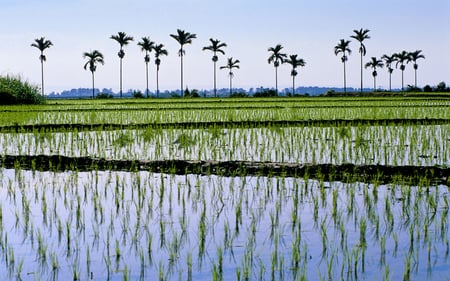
<point x="189" y="266"/>
<point x="161" y="274"/>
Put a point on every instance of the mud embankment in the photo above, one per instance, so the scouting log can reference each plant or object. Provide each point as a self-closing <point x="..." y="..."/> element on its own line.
<point x="413" y="175"/>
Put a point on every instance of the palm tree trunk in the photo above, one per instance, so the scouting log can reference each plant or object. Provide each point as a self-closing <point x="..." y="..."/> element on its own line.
<point x="345" y="85"/>
<point x="42" y="77"/>
<point x="402" y="80"/>
<point x="231" y="84"/>
<point x="121" y="77"/>
<point x="415" y="77"/>
<point x="181" y="88"/>
<point x="276" y="80"/>
<point x="374" y="83"/>
<point x="215" y="89"/>
<point x="293" y="85"/>
<point x="390" y="82"/>
<point x="146" y="75"/>
<point x="93" y="85"/>
<point x="361" y="72"/>
<point x="157" y="81"/>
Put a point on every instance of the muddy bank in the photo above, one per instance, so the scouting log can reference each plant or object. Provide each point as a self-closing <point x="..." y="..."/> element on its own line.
<point x="219" y="125"/>
<point x="347" y="172"/>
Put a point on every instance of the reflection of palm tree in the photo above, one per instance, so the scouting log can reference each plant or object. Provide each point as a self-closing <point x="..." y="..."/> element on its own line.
<point x="123" y="39"/>
<point x="360" y="36"/>
<point x="414" y="56"/>
<point x="182" y="38"/>
<point x="42" y="44"/>
<point x="146" y="46"/>
<point x="93" y="57"/>
<point x="230" y="65"/>
<point x="277" y="58"/>
<point x="343" y="47"/>
<point x="374" y="63"/>
<point x="215" y="47"/>
<point x="294" y="62"/>
<point x="389" y="60"/>
<point x="159" y="51"/>
<point x="402" y="59"/>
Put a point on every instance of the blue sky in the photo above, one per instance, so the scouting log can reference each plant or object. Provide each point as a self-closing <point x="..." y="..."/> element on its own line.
<point x="308" y="28"/>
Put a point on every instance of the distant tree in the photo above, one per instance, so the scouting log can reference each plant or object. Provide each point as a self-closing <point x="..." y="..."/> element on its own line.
<point x="146" y="46"/>
<point x="230" y="65"/>
<point x="182" y="38"/>
<point x="388" y="61"/>
<point x="216" y="47"/>
<point x="343" y="47"/>
<point x="42" y="44"/>
<point x="277" y="58"/>
<point x="360" y="36"/>
<point x="402" y="58"/>
<point x="414" y="56"/>
<point x="441" y="87"/>
<point x="159" y="51"/>
<point x="374" y="63"/>
<point x="123" y="39"/>
<point x="294" y="62"/>
<point x="94" y="58"/>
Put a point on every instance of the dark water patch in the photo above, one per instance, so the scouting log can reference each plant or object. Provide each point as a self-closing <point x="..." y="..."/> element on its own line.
<point x="413" y="175"/>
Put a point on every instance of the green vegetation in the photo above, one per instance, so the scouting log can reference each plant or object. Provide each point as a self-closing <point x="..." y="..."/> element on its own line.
<point x="13" y="90"/>
<point x="245" y="188"/>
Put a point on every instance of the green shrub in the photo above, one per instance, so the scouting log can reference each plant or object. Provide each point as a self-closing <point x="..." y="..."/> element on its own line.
<point x="15" y="91"/>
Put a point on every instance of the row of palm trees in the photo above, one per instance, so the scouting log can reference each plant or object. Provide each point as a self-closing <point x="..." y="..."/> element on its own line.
<point x="402" y="58"/>
<point x="277" y="57"/>
<point x="95" y="57"/>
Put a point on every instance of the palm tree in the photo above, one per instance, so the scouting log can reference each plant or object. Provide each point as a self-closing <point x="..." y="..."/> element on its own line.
<point x="414" y="56"/>
<point x="294" y="62"/>
<point x="42" y="44"/>
<point x="277" y="58"/>
<point x="343" y="47"/>
<point x="402" y="59"/>
<point x="388" y="61"/>
<point x="182" y="38"/>
<point x="216" y="47"/>
<point x="93" y="57"/>
<point x="360" y="36"/>
<point x="230" y="65"/>
<point x="123" y="39"/>
<point x="159" y="51"/>
<point x="146" y="46"/>
<point x="374" y="63"/>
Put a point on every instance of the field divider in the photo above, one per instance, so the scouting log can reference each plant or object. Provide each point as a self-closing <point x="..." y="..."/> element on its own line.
<point x="420" y="175"/>
<point x="220" y="124"/>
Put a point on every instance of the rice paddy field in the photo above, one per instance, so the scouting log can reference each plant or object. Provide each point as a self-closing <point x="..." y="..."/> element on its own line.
<point x="226" y="189"/>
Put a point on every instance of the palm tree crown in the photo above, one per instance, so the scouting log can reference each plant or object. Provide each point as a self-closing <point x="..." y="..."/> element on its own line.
<point x="123" y="39"/>
<point x="360" y="36"/>
<point x="277" y="58"/>
<point x="94" y="58"/>
<point x="159" y="51"/>
<point x="374" y="63"/>
<point x="146" y="46"/>
<point x="216" y="47"/>
<point x="343" y="47"/>
<point x="294" y="62"/>
<point x="230" y="65"/>
<point x="414" y="56"/>
<point x="42" y="44"/>
<point x="183" y="38"/>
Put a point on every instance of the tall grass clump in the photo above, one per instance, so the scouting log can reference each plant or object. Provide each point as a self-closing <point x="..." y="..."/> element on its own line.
<point x="13" y="90"/>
